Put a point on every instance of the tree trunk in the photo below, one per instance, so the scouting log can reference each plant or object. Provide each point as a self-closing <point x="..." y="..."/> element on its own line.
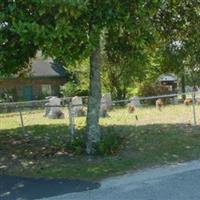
<point x="93" y="129"/>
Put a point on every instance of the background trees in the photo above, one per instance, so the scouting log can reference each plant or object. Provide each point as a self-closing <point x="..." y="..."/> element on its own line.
<point x="178" y="25"/>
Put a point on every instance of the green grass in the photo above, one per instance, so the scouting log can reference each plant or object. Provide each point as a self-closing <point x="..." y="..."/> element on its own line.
<point x="155" y="138"/>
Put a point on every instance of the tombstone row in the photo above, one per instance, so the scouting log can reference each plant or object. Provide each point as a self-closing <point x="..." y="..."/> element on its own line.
<point x="54" y="111"/>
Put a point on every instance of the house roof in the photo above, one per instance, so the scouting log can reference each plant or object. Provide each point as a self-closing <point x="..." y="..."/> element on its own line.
<point x="46" y="68"/>
<point x="40" y="68"/>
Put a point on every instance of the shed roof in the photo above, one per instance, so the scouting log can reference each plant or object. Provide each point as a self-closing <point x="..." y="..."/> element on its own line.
<point x="167" y="77"/>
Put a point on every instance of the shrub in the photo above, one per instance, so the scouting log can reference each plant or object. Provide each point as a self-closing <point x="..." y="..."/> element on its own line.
<point x="153" y="90"/>
<point x="110" y="144"/>
<point x="73" y="89"/>
<point x="69" y="89"/>
<point x="147" y="89"/>
<point x="78" y="145"/>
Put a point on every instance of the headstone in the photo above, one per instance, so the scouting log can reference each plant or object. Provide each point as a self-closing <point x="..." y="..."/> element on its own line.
<point x="103" y="110"/>
<point x="54" y="112"/>
<point x="47" y="109"/>
<point x="106" y="105"/>
<point x="107" y="101"/>
<point x="77" y="106"/>
<point x="135" y="101"/>
<point x="131" y="106"/>
<point x="174" y="100"/>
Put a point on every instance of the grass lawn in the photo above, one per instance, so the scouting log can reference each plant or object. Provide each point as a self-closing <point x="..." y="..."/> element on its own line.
<point x="155" y="138"/>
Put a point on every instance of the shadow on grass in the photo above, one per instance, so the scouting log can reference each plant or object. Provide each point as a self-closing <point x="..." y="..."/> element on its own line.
<point x="43" y="152"/>
<point x="12" y="188"/>
<point x="46" y="141"/>
<point x="62" y="129"/>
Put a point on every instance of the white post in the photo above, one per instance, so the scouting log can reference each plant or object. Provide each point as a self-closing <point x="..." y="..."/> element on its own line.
<point x="193" y="108"/>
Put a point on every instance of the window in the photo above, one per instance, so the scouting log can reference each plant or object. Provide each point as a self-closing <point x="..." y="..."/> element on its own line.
<point x="46" y="90"/>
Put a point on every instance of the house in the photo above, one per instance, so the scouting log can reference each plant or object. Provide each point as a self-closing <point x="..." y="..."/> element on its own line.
<point x="43" y="79"/>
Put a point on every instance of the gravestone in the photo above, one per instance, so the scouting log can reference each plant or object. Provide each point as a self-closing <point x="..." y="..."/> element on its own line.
<point x="135" y="101"/>
<point x="77" y="107"/>
<point x="106" y="105"/>
<point x="175" y="100"/>
<point x="107" y="101"/>
<point x="103" y="110"/>
<point x="131" y="106"/>
<point x="54" y="112"/>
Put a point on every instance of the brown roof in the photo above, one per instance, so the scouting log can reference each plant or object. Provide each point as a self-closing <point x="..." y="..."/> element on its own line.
<point x="47" y="68"/>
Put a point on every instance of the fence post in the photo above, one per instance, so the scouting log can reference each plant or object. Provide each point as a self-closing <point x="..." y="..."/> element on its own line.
<point x="193" y="108"/>
<point x="22" y="122"/>
<point x="71" y="121"/>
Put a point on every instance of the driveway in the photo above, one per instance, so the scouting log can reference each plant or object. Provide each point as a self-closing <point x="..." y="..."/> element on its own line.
<point x="175" y="182"/>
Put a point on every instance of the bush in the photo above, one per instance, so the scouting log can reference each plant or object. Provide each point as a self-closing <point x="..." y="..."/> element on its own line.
<point x="147" y="89"/>
<point x="78" y="145"/>
<point x="73" y="89"/>
<point x="110" y="144"/>
<point x="153" y="90"/>
<point x="69" y="89"/>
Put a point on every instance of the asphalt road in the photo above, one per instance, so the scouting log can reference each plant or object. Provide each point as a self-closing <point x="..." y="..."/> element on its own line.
<point x="175" y="182"/>
<point x="17" y="188"/>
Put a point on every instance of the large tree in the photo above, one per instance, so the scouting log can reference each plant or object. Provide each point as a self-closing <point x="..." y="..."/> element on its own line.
<point x="178" y="23"/>
<point x="69" y="31"/>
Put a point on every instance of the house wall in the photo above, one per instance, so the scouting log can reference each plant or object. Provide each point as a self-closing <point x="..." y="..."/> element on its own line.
<point x="16" y="86"/>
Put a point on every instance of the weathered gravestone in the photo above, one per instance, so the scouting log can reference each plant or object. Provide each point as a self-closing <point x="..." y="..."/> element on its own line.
<point x="106" y="105"/>
<point x="53" y="110"/>
<point x="135" y="101"/>
<point x="174" y="100"/>
<point x="107" y="101"/>
<point x="131" y="106"/>
<point x="77" y="107"/>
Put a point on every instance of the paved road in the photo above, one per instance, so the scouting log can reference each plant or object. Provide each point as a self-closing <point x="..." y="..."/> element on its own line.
<point x="17" y="188"/>
<point x="177" y="182"/>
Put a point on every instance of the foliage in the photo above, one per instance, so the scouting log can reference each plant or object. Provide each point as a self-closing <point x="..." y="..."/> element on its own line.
<point x="78" y="144"/>
<point x="64" y="30"/>
<point x="72" y="89"/>
<point x="117" y="78"/>
<point x="149" y="89"/>
<point x="14" y="52"/>
<point x="126" y="53"/>
<point x="178" y="25"/>
<point x="110" y="143"/>
<point x="69" y="89"/>
<point x="78" y="82"/>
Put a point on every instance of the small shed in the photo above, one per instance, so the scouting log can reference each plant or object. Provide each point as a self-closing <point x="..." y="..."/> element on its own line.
<point x="169" y="80"/>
